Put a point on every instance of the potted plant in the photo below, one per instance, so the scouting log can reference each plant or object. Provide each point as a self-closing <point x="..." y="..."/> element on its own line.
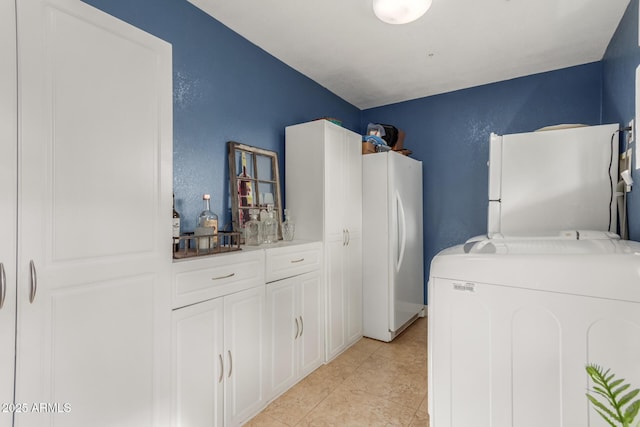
<point x="617" y="405"/>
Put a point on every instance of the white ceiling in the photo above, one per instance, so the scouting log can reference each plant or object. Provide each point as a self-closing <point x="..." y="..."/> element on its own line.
<point x="457" y="44"/>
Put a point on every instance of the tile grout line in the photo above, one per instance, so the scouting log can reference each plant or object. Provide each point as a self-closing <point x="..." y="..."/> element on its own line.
<point x="333" y="390"/>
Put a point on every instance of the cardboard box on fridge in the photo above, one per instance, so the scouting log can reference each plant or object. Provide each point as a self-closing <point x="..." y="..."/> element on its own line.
<point x="368" y="147"/>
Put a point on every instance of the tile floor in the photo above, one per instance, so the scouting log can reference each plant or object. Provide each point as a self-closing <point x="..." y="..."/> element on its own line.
<point x="371" y="384"/>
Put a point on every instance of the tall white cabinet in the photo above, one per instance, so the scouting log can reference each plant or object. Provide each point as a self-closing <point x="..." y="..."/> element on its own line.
<point x="85" y="171"/>
<point x="324" y="194"/>
<point x="8" y="201"/>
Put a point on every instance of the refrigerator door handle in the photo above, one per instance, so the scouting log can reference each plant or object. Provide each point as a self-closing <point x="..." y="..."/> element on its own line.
<point x="401" y="232"/>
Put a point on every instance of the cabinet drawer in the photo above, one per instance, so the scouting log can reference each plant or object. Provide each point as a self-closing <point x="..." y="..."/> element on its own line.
<point x="290" y="261"/>
<point x="202" y="279"/>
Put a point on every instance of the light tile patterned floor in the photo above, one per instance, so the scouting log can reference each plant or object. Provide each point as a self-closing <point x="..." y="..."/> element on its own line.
<point x="371" y="384"/>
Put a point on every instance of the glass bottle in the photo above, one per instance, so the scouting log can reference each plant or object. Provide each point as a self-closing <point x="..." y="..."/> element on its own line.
<point x="288" y="227"/>
<point x="207" y="225"/>
<point x="176" y="226"/>
<point x="252" y="229"/>
<point x="269" y="227"/>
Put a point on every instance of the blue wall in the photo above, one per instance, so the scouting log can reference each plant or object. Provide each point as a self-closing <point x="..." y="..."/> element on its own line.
<point x="618" y="104"/>
<point x="450" y="134"/>
<point x="225" y="88"/>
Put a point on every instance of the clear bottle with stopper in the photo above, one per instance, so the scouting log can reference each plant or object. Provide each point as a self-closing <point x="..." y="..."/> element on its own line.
<point x="207" y="225"/>
<point x="252" y="234"/>
<point x="269" y="226"/>
<point x="288" y="226"/>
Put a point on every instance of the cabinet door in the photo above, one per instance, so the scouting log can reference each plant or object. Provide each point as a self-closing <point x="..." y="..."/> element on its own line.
<point x="353" y="247"/>
<point x="285" y="328"/>
<point x="352" y="204"/>
<point x="199" y="371"/>
<point x="353" y="284"/>
<point x="336" y="297"/>
<point x="244" y="332"/>
<point x="335" y="191"/>
<point x="95" y="188"/>
<point x="8" y="200"/>
<point x="311" y="313"/>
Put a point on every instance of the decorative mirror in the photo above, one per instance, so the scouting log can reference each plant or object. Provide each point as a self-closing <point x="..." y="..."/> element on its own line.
<point x="254" y="183"/>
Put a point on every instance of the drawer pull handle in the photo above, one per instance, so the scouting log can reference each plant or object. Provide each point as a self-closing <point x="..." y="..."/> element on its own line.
<point x="223" y="277"/>
<point x="297" y="260"/>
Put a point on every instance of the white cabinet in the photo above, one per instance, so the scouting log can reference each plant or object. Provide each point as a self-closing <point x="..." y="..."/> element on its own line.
<point x="295" y="311"/>
<point x="324" y="193"/>
<point x="8" y="202"/>
<point x="199" y="364"/>
<point x="219" y="358"/>
<point x="197" y="280"/>
<point x="84" y="235"/>
<point x="238" y="342"/>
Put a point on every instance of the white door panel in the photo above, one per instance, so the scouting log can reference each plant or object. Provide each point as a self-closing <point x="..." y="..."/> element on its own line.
<point x="8" y="202"/>
<point x="405" y="204"/>
<point x="95" y="179"/>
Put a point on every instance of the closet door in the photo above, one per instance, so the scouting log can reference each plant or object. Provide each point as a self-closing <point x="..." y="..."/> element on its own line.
<point x="94" y="196"/>
<point x="8" y="200"/>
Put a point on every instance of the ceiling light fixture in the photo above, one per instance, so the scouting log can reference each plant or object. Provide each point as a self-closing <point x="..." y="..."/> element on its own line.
<point x="400" y="11"/>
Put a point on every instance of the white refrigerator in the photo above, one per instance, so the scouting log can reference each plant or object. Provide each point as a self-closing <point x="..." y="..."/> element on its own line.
<point x="393" y="274"/>
<point x="553" y="180"/>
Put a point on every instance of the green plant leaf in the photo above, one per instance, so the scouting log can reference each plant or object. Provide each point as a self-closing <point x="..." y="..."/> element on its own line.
<point x="628" y="397"/>
<point x="616" y="393"/>
<point x="613" y="384"/>
<point x="610" y="389"/>
<point x="601" y="408"/>
<point x="619" y="390"/>
<point x="606" y="419"/>
<point x="631" y="411"/>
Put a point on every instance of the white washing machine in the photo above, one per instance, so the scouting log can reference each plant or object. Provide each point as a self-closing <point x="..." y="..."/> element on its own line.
<point x="514" y="321"/>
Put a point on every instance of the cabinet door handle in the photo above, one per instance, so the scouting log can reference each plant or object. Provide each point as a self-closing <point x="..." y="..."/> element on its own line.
<point x="297" y="260"/>
<point x="3" y="285"/>
<point x="230" y="364"/>
<point x="348" y="237"/>
<point x="34" y="282"/>
<point x="344" y="237"/>
<point x="301" y="326"/>
<point x="297" y="329"/>
<point x="223" y="277"/>
<point x="221" y="368"/>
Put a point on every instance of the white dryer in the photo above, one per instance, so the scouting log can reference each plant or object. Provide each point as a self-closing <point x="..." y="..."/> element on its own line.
<point x="514" y="321"/>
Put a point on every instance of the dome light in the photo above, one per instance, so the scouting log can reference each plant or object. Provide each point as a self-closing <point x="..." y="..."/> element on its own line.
<point x="400" y="11"/>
